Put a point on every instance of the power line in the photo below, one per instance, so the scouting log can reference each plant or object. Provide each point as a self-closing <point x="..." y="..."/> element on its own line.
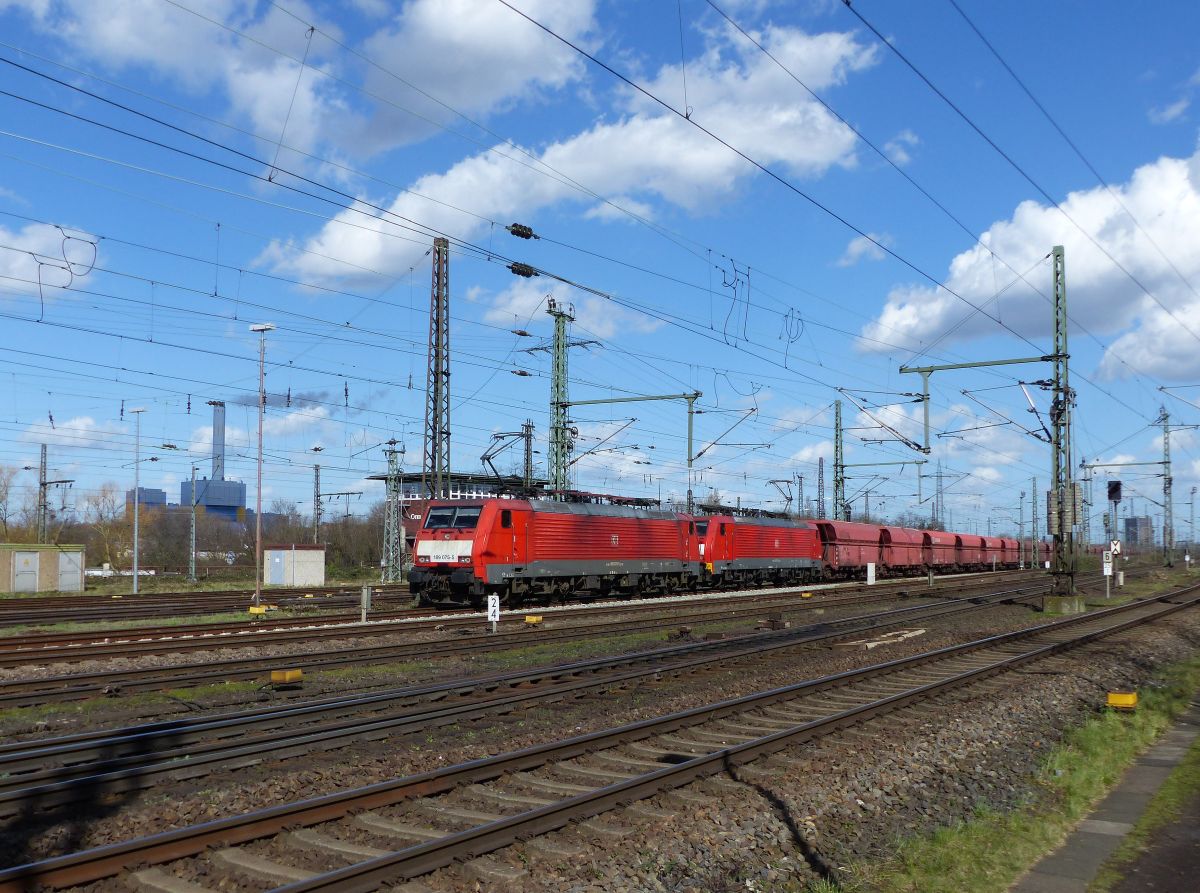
<point x="1046" y="195"/>
<point x="1079" y="152"/>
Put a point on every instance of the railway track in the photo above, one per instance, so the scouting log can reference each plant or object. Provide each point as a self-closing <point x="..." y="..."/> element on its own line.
<point x="76" y="647"/>
<point x="99" y="609"/>
<point x="78" y="686"/>
<point x="44" y="610"/>
<point x="425" y="822"/>
<point x="60" y="771"/>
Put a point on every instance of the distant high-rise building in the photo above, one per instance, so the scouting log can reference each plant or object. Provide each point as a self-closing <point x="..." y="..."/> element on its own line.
<point x="1139" y="531"/>
<point x="148" y="497"/>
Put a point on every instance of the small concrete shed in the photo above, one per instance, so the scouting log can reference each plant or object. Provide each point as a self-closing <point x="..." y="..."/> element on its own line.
<point x="294" y="564"/>
<point x="34" y="567"/>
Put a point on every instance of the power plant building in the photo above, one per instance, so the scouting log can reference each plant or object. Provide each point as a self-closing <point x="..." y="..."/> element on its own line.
<point x="224" y="499"/>
<point x="215" y="495"/>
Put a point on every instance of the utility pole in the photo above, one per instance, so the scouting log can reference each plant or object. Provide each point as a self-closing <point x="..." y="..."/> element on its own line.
<point x="1060" y="422"/>
<point x="1021" y="530"/>
<point x="137" y="495"/>
<point x="800" y="495"/>
<point x="316" y="504"/>
<point x="1086" y="519"/>
<point x="1168" y="507"/>
<point x="261" y="329"/>
<point x="1192" y="525"/>
<point x="560" y="435"/>
<point x="527" y="436"/>
<point x="43" y="509"/>
<point x="1036" y="557"/>
<point x="840" y="509"/>
<point x="393" y="518"/>
<point x="435" y="466"/>
<point x="192" y="533"/>
<point x="820" y="486"/>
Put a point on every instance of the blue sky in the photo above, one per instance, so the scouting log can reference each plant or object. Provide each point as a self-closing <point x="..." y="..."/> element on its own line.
<point x="246" y="169"/>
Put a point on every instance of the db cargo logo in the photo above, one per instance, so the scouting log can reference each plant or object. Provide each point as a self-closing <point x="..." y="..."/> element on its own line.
<point x="615" y="539"/>
<point x="776" y="543"/>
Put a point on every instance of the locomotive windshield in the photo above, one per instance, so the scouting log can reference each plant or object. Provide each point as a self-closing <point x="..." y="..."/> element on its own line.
<point x="463" y="517"/>
<point x="702" y="528"/>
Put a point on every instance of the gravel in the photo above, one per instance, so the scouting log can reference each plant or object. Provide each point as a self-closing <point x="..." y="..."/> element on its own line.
<point x="780" y="822"/>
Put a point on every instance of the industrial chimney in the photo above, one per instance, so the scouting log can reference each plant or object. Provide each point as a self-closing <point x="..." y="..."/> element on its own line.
<point x="218" y="440"/>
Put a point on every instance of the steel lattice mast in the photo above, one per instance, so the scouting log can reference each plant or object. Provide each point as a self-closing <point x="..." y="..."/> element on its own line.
<point x="393" y="519"/>
<point x="560" y="435"/>
<point x="820" y="486"/>
<point x="1063" y="567"/>
<point x="839" y="466"/>
<point x="435" y="467"/>
<point x="1168" y="482"/>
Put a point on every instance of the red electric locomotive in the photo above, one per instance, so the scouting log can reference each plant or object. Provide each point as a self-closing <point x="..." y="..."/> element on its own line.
<point x="537" y="550"/>
<point x="757" y="551"/>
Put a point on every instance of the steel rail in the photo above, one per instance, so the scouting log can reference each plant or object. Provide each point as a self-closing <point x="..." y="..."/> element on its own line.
<point x="248" y="635"/>
<point x="125" y="760"/>
<point x="79" y="686"/>
<point x="97" y="863"/>
<point x="20" y="642"/>
<point x="35" y="611"/>
<point x="423" y="858"/>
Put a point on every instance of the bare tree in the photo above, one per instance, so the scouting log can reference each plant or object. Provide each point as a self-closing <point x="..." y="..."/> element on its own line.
<point x="110" y="526"/>
<point x="7" y="474"/>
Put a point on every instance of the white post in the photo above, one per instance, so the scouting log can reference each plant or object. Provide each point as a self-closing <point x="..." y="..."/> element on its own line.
<point x="366" y="602"/>
<point x="493" y="611"/>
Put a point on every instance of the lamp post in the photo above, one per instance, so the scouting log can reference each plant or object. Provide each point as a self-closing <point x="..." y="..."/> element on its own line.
<point x="261" y="328"/>
<point x="137" y="495"/>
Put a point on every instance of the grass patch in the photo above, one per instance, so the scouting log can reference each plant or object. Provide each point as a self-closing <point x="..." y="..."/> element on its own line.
<point x="39" y="712"/>
<point x="1181" y="786"/>
<point x="70" y="626"/>
<point x="987" y="853"/>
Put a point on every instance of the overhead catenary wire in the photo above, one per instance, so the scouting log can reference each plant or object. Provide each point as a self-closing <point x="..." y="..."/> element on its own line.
<point x="891" y="45"/>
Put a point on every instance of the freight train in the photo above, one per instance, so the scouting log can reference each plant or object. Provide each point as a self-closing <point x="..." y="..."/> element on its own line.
<point x="538" y="551"/>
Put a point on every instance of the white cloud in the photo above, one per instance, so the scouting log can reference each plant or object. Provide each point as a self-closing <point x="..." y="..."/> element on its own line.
<point x="643" y="155"/>
<point x="473" y="55"/>
<point x="278" y="425"/>
<point x="898" y="147"/>
<point x="625" y="206"/>
<point x="81" y="431"/>
<point x="202" y="57"/>
<point x="523" y="303"/>
<point x="808" y="455"/>
<point x="1168" y="113"/>
<point x="864" y="248"/>
<point x="1164" y="196"/>
<point x="14" y="197"/>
